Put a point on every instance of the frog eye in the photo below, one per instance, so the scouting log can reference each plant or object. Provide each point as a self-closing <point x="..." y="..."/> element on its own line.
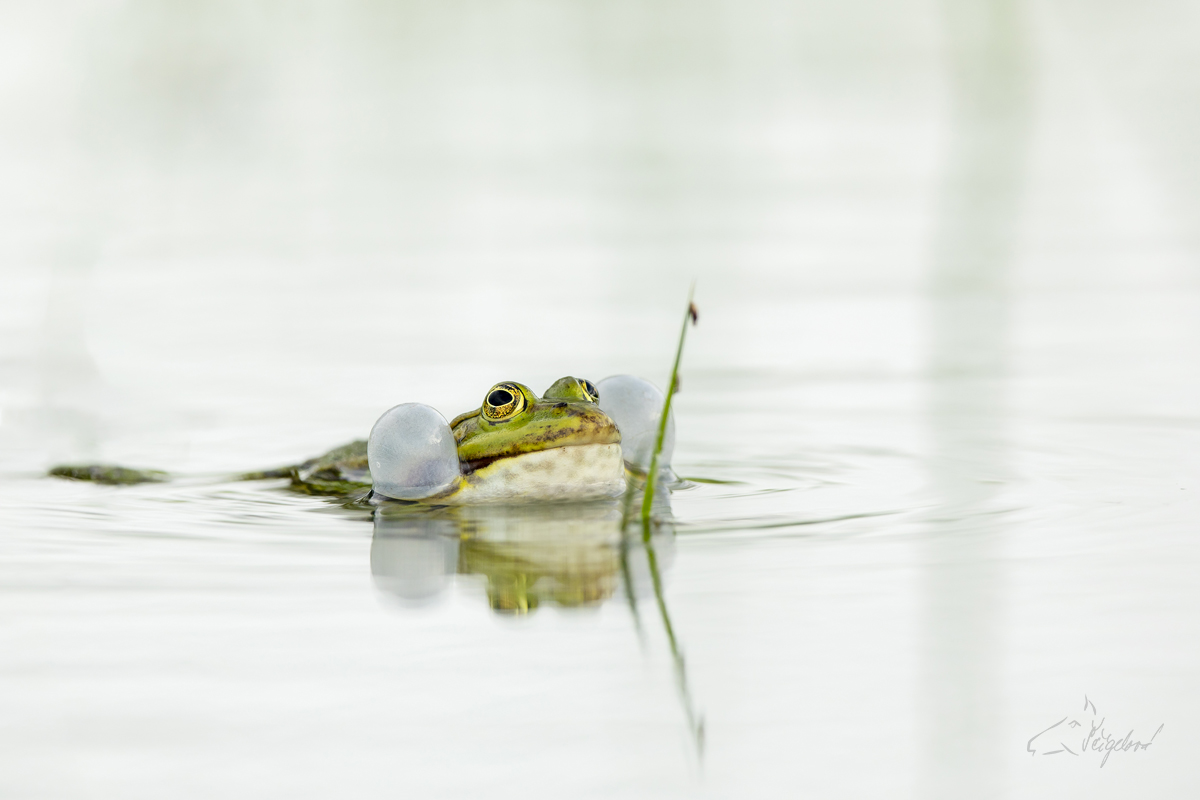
<point x="590" y="389"/>
<point x="504" y="401"/>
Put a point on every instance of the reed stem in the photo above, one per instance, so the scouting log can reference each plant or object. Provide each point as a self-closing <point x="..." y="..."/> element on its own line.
<point x="652" y="475"/>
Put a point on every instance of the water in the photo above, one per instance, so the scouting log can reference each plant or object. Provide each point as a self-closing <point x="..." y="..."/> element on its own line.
<point x="939" y="413"/>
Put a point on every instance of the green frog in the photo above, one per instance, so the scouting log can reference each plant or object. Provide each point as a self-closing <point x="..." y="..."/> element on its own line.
<point x="514" y="447"/>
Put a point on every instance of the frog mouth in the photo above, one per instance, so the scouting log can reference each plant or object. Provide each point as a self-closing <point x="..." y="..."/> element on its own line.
<point x="477" y="464"/>
<point x="473" y="465"/>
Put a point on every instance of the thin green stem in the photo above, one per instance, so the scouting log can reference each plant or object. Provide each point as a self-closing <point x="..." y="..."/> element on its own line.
<point x="652" y="475"/>
<point x="694" y="720"/>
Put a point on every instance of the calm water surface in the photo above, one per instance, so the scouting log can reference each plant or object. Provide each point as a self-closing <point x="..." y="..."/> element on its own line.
<point x="939" y="417"/>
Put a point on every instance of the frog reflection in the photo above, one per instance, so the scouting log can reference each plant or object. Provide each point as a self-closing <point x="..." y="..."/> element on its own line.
<point x="571" y="556"/>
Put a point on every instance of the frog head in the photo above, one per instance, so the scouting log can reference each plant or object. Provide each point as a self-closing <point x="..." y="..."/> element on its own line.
<point x="513" y="421"/>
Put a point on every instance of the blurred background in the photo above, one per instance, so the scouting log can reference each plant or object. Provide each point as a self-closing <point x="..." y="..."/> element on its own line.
<point x="947" y="260"/>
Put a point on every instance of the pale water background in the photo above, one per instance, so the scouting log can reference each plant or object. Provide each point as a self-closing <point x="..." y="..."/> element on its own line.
<point x="948" y="364"/>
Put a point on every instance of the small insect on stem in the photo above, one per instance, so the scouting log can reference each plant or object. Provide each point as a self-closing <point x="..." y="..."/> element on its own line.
<point x="692" y="316"/>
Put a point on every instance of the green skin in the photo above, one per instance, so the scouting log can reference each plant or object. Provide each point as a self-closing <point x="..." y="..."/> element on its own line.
<point x="566" y="415"/>
<point x="108" y="474"/>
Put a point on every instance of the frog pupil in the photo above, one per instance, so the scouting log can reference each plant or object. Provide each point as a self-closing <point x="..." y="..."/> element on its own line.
<point x="591" y="390"/>
<point x="499" y="398"/>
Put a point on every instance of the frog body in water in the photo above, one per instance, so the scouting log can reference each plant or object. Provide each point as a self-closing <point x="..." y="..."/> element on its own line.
<point x="515" y="447"/>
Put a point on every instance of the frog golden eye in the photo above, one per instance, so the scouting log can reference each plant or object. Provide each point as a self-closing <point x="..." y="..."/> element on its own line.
<point x="504" y="401"/>
<point x="590" y="389"/>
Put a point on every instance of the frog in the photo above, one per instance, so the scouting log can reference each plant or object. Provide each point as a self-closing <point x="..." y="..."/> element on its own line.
<point x="520" y="447"/>
<point x="515" y="446"/>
